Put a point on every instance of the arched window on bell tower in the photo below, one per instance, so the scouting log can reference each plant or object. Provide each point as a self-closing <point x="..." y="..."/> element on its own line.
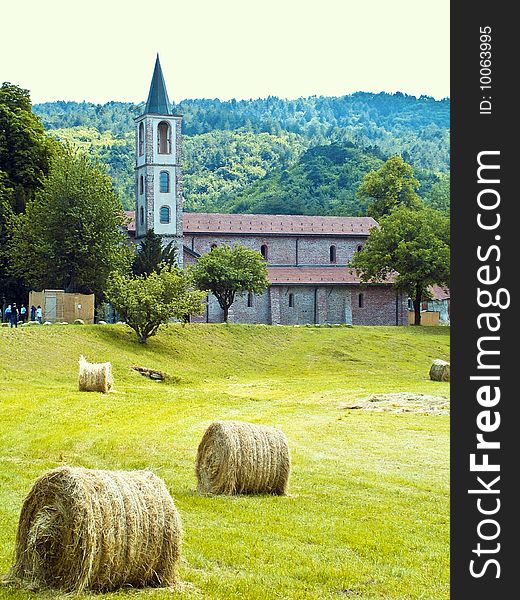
<point x="164" y="182"/>
<point x="164" y="134"/>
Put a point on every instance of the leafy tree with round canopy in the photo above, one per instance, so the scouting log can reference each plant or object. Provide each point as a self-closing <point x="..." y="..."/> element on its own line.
<point x="147" y="302"/>
<point x="70" y="236"/>
<point x="25" y="149"/>
<point x="390" y="186"/>
<point x="25" y="155"/>
<point x="228" y="272"/>
<point x="439" y="196"/>
<point x="413" y="246"/>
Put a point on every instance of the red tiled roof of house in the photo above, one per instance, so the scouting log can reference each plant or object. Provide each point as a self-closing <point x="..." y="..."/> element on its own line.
<point x="276" y="224"/>
<point x="439" y="293"/>
<point x="315" y="275"/>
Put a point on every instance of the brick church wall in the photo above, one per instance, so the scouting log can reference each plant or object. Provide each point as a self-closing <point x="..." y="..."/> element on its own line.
<point x="327" y="304"/>
<point x="283" y="250"/>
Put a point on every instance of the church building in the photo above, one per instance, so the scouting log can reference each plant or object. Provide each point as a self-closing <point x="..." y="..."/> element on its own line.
<point x="306" y="256"/>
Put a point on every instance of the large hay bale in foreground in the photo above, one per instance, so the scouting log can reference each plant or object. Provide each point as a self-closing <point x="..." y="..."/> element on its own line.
<point x="83" y="529"/>
<point x="94" y="377"/>
<point x="440" y="370"/>
<point x="241" y="458"/>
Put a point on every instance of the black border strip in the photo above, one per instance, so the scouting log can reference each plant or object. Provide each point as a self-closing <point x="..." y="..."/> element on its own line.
<point x="477" y="128"/>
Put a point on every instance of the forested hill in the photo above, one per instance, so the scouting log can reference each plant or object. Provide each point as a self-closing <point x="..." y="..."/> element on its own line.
<point x="231" y="146"/>
<point x="311" y="117"/>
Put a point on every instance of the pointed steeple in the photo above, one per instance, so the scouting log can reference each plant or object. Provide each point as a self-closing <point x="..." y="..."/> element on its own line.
<point x="158" y="102"/>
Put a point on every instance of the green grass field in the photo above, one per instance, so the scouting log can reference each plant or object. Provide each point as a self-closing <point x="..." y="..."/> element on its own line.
<point x="368" y="511"/>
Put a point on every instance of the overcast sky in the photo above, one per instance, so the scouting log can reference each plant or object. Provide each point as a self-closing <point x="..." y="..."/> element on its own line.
<point x="100" y="50"/>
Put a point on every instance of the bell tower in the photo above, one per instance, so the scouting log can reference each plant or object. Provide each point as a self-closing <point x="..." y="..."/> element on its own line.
<point x="158" y="167"/>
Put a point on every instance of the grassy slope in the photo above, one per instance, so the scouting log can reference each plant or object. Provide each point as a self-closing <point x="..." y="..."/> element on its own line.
<point x="368" y="511"/>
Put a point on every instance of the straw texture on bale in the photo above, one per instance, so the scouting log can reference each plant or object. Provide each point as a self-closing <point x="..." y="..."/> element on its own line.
<point x="440" y="370"/>
<point x="83" y="529"/>
<point x="241" y="458"/>
<point x="94" y="377"/>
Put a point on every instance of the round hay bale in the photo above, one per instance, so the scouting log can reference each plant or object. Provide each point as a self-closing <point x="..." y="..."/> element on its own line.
<point x="83" y="529"/>
<point x="94" y="377"/>
<point x="241" y="458"/>
<point x="79" y="322"/>
<point x="48" y="323"/>
<point x="101" y="322"/>
<point x="440" y="370"/>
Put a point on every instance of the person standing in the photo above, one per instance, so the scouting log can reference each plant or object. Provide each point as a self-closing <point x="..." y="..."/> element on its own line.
<point x="33" y="312"/>
<point x="14" y="315"/>
<point x="23" y="313"/>
<point x="7" y="314"/>
<point x="39" y="314"/>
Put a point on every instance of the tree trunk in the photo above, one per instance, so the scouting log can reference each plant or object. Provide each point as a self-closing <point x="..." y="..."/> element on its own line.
<point x="226" y="312"/>
<point x="417" y="305"/>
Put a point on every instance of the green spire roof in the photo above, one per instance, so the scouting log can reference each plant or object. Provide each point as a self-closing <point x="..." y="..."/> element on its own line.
<point x="158" y="102"/>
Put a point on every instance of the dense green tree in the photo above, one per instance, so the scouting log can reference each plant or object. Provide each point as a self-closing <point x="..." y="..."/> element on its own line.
<point x="230" y="271"/>
<point x="147" y="302"/>
<point x="390" y="186"/>
<point x="25" y="149"/>
<point x="439" y="194"/>
<point x="10" y="288"/>
<point x="413" y="246"/>
<point x="70" y="236"/>
<point x="151" y="256"/>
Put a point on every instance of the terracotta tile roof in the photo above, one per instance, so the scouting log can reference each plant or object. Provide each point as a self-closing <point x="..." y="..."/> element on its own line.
<point x="439" y="293"/>
<point x="315" y="275"/>
<point x="276" y="224"/>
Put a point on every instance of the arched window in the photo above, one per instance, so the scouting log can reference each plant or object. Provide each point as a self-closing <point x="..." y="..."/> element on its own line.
<point x="291" y="300"/>
<point x="141" y="215"/>
<point x="361" y="300"/>
<point x="263" y="251"/>
<point x="164" y="145"/>
<point x="141" y="184"/>
<point x="359" y="248"/>
<point x="141" y="138"/>
<point x="164" y="214"/>
<point x="332" y="254"/>
<point x="164" y="182"/>
<point x="249" y="300"/>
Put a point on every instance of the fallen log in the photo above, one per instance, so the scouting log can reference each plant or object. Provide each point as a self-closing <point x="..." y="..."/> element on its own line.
<point x="151" y="373"/>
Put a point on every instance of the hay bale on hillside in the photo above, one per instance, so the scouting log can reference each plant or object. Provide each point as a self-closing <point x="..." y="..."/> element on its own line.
<point x="79" y="322"/>
<point x="94" y="377"/>
<point x="83" y="529"/>
<point x="241" y="458"/>
<point x="440" y="370"/>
